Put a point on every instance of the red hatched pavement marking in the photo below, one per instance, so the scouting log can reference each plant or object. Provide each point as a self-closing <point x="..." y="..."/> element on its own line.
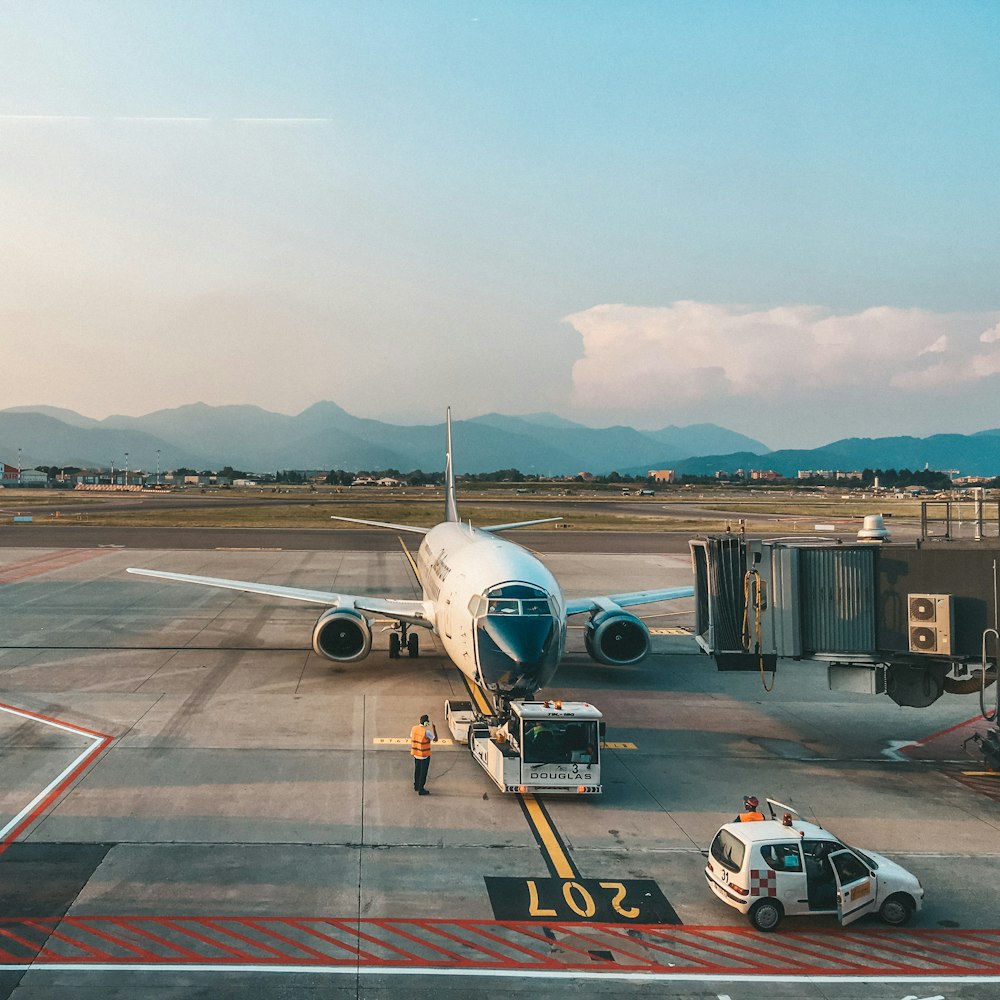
<point x="984" y="784"/>
<point x="300" y="942"/>
<point x="952" y="747"/>
<point x="27" y="568"/>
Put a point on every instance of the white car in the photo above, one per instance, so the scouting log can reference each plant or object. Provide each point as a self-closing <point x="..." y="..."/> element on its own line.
<point x="769" y="869"/>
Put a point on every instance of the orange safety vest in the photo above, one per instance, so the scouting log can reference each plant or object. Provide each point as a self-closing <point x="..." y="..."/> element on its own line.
<point x="751" y="817"/>
<point x="420" y="745"/>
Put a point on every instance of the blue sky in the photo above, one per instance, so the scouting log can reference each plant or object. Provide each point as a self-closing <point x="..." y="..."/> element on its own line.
<point x="779" y="217"/>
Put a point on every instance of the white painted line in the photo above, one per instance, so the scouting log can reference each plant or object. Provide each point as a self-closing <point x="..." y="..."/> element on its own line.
<point x="54" y="783"/>
<point x="892" y="751"/>
<point x="64" y="726"/>
<point x="96" y="743"/>
<point x="571" y="974"/>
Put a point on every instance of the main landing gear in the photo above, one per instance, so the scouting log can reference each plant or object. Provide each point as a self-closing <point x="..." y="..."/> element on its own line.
<point x="399" y="640"/>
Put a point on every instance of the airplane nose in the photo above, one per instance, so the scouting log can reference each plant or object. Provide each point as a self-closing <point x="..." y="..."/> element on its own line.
<point x="523" y="639"/>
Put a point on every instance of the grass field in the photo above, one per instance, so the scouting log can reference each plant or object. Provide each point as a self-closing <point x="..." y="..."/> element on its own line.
<point x="581" y="510"/>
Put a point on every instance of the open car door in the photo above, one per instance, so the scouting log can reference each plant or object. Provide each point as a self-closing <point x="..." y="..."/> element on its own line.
<point x="855" y="886"/>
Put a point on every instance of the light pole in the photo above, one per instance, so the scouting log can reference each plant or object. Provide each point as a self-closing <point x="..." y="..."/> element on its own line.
<point x="126" y="470"/>
<point x="157" y="466"/>
<point x="112" y="472"/>
<point x="18" y="466"/>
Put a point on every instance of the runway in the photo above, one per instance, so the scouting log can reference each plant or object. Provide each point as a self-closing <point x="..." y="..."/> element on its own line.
<point x="195" y="804"/>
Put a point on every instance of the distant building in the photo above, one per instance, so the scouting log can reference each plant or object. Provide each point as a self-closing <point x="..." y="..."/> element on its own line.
<point x="827" y="474"/>
<point x="765" y="475"/>
<point x="663" y="475"/>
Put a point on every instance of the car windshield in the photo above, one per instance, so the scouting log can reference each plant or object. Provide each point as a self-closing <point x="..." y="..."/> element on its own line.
<point x="866" y="858"/>
<point x="829" y="846"/>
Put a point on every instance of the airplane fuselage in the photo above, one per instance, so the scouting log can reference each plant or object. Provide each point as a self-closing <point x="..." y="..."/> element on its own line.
<point x="499" y="611"/>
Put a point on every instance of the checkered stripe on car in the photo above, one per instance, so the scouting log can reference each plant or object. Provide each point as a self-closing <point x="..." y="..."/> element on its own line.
<point x="762" y="881"/>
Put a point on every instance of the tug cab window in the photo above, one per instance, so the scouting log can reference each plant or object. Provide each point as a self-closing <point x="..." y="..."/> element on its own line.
<point x="558" y="741"/>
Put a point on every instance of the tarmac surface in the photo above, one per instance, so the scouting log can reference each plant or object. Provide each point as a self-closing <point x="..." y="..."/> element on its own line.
<point x="195" y="804"/>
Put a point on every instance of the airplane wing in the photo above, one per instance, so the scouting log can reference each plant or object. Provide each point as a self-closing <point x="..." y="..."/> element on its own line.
<point x="579" y="605"/>
<point x="413" y="612"/>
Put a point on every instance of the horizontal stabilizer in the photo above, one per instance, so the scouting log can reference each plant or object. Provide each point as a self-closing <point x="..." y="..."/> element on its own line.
<point x="518" y="524"/>
<point x="381" y="524"/>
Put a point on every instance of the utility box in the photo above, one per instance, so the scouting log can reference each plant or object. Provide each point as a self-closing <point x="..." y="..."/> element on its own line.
<point x="930" y="620"/>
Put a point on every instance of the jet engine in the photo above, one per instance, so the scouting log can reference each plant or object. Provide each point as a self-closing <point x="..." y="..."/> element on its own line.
<point x="617" y="638"/>
<point x="342" y="634"/>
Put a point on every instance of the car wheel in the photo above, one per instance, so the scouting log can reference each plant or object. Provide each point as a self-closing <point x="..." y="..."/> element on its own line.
<point x="765" y="914"/>
<point x="896" y="910"/>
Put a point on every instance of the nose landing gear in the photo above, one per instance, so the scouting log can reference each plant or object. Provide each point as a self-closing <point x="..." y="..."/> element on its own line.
<point x="402" y="639"/>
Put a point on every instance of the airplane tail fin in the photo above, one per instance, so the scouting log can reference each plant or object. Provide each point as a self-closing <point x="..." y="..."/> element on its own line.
<point x="450" y="503"/>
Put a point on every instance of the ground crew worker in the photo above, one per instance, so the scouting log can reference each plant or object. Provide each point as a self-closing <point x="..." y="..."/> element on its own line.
<point x="750" y="812"/>
<point x="421" y="737"/>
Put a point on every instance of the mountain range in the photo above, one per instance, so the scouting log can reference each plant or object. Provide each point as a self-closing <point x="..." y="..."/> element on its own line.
<point x="975" y="454"/>
<point x="325" y="436"/>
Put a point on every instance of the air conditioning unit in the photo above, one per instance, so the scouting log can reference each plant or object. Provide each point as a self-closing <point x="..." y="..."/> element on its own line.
<point x="930" y="623"/>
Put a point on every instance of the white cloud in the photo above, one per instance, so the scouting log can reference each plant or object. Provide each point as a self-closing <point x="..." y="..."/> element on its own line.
<point x="938" y="347"/>
<point x="638" y="356"/>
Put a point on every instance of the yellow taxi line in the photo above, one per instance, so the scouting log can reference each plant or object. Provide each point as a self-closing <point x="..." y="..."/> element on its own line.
<point x="405" y="741"/>
<point x="445" y="742"/>
<point x="410" y="559"/>
<point x="547" y="838"/>
<point x="477" y="696"/>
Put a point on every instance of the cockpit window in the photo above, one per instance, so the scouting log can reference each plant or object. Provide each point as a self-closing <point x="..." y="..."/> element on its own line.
<point x="511" y="599"/>
<point x="519" y="590"/>
<point x="535" y="607"/>
<point x="502" y="607"/>
<point x="517" y="599"/>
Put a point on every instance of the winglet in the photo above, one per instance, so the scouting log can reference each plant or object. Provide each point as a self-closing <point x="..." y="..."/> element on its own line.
<point x="450" y="502"/>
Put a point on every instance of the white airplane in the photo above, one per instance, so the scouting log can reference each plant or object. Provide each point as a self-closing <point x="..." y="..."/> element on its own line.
<point x="497" y="610"/>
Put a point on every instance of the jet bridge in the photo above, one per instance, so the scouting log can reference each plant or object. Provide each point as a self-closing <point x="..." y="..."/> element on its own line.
<point x="911" y="620"/>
